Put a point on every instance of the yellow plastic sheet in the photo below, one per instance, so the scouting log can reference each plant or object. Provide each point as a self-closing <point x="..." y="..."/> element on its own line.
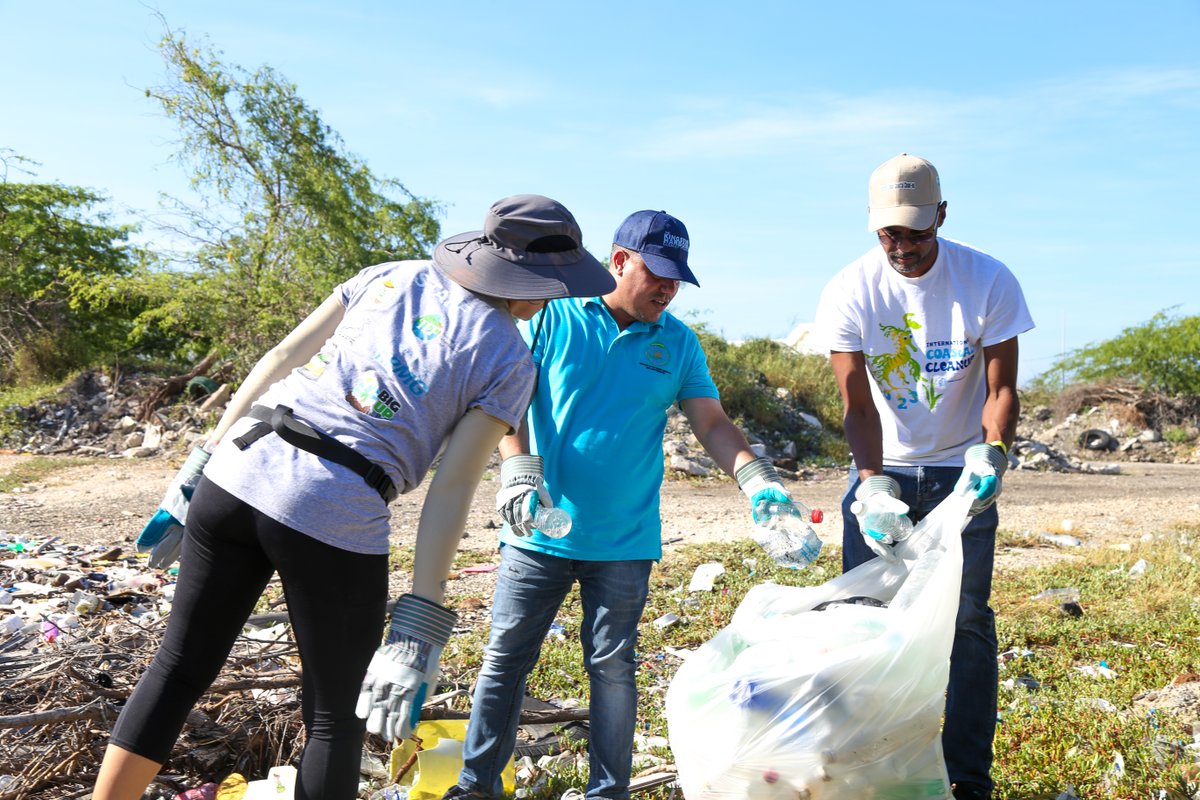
<point x="439" y="760"/>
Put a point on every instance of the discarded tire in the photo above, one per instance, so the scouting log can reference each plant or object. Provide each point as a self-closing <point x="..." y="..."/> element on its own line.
<point x="1096" y="439"/>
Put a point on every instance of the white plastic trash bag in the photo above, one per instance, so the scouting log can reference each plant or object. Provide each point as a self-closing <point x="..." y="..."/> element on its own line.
<point x="830" y="691"/>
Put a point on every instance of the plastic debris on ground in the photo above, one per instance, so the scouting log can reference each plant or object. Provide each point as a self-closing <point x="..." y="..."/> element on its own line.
<point x="844" y="702"/>
<point x="705" y="576"/>
<point x="78" y="626"/>
<point x="1100" y="670"/>
<point x="1061" y="539"/>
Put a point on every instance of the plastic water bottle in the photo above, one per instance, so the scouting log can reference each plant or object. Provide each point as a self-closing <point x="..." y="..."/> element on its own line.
<point x="552" y="521"/>
<point x="785" y="535"/>
<point x="887" y="528"/>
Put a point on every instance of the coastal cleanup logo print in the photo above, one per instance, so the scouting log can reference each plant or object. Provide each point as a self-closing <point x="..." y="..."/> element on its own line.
<point x="898" y="373"/>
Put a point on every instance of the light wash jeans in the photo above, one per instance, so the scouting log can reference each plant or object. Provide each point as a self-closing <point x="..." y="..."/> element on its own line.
<point x="970" y="722"/>
<point x="530" y="587"/>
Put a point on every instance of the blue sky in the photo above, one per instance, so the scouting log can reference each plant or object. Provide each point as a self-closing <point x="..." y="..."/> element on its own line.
<point x="1067" y="134"/>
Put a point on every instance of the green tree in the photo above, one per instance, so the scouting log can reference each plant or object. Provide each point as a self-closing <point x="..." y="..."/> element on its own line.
<point x="57" y="243"/>
<point x="1162" y="354"/>
<point x="283" y="213"/>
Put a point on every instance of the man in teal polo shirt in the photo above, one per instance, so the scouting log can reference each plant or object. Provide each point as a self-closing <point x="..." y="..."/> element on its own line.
<point x="609" y="369"/>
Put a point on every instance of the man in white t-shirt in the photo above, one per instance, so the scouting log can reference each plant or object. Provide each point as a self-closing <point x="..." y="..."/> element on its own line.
<point x="922" y="333"/>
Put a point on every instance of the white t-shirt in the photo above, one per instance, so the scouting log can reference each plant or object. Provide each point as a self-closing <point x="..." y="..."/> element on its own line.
<point x="414" y="352"/>
<point x="923" y="341"/>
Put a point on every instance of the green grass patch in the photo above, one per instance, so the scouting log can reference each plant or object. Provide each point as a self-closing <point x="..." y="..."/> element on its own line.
<point x="1062" y="721"/>
<point x="35" y="468"/>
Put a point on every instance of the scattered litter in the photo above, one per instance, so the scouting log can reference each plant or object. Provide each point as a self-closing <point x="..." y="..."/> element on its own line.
<point x="1009" y="655"/>
<point x="1139" y="567"/>
<point x="705" y="575"/>
<point x="1071" y="609"/>
<point x="1100" y="670"/>
<point x="666" y="620"/>
<point x="1098" y="703"/>
<point x="1024" y="681"/>
<point x="480" y="568"/>
<point x="1067" y="591"/>
<point x="1061" y="539"/>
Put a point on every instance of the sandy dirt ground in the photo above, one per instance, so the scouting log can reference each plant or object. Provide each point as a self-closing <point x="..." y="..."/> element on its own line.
<point x="106" y="501"/>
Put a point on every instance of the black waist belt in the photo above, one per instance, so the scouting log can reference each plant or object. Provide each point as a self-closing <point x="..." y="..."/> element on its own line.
<point x="300" y="434"/>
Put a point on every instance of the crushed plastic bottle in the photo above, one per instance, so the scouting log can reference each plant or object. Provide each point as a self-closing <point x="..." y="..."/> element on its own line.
<point x="888" y="529"/>
<point x="784" y="533"/>
<point x="552" y="521"/>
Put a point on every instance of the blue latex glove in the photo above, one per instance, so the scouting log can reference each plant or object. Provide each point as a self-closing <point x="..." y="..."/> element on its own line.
<point x="781" y="527"/>
<point x="983" y="467"/>
<point x="881" y="514"/>
<point x="759" y="481"/>
<point x="163" y="535"/>
<point x="522" y="490"/>
<point x="403" y="669"/>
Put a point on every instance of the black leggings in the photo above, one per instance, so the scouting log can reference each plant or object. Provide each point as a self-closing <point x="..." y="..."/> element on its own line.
<point x="336" y="600"/>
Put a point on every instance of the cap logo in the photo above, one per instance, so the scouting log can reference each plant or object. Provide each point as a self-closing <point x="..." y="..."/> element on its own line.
<point x="898" y="185"/>
<point x="671" y="240"/>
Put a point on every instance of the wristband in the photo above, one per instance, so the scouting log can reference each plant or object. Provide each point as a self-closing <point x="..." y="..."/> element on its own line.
<point x="1003" y="447"/>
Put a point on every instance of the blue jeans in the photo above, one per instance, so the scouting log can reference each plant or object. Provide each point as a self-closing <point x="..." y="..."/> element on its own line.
<point x="970" y="722"/>
<point x="530" y="587"/>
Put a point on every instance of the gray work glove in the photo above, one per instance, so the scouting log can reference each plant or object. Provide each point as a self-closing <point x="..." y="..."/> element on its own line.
<point x="521" y="491"/>
<point x="163" y="535"/>
<point x="879" y="509"/>
<point x="983" y="467"/>
<point x="404" y="667"/>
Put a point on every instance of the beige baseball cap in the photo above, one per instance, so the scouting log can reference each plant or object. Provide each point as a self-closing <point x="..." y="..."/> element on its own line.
<point x="904" y="192"/>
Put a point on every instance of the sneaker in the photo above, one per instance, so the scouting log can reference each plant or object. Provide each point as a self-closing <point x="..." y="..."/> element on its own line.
<point x="970" y="791"/>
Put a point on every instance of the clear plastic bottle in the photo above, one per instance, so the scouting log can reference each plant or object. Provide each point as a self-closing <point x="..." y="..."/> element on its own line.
<point x="887" y="528"/>
<point x="785" y="535"/>
<point x="552" y="521"/>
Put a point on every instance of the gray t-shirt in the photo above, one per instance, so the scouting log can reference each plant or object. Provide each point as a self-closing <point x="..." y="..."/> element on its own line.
<point x="413" y="354"/>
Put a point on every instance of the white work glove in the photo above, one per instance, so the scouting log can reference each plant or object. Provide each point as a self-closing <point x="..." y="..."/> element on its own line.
<point x="404" y="667"/>
<point x="983" y="467"/>
<point x="163" y="535"/>
<point x="521" y="491"/>
<point x="878" y="509"/>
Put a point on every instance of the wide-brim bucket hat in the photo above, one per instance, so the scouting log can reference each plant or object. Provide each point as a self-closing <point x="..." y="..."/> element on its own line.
<point x="530" y="248"/>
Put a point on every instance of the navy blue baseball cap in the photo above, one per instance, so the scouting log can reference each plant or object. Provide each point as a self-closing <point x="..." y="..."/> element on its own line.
<point x="661" y="241"/>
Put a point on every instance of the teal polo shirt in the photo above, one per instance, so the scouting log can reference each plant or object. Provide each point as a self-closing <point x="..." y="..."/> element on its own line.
<point x="597" y="420"/>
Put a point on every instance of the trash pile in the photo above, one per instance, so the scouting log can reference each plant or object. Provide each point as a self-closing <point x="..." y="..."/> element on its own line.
<point x="1093" y="427"/>
<point x="682" y="452"/>
<point x="79" y="625"/>
<point x="96" y="415"/>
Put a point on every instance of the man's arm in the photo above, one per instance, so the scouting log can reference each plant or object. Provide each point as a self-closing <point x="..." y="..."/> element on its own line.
<point x="1002" y="406"/>
<point x="860" y="417"/>
<point x="721" y="439"/>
